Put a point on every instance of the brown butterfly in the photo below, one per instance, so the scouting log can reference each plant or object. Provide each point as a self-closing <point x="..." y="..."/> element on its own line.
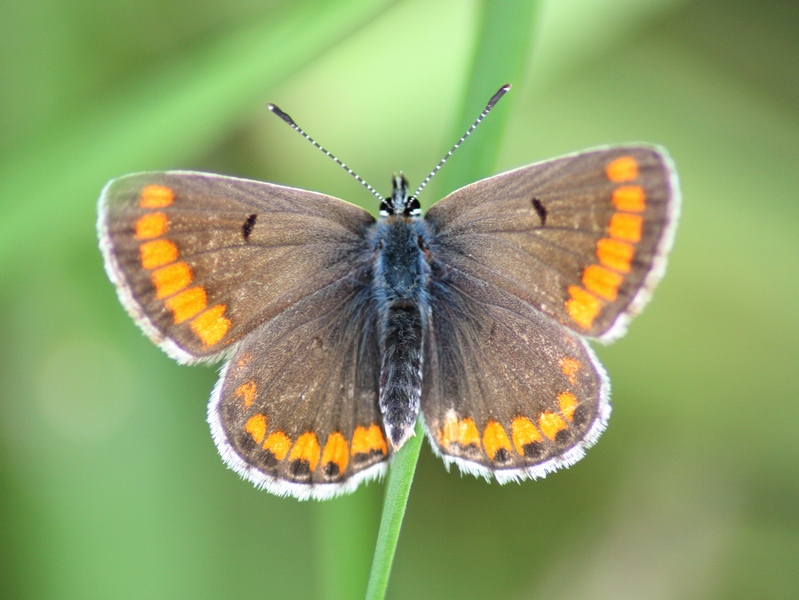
<point x="339" y="329"/>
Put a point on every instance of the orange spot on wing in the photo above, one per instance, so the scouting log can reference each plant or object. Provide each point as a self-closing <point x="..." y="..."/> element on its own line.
<point x="601" y="281"/>
<point x="368" y="440"/>
<point x="582" y="307"/>
<point x="524" y="432"/>
<point x="569" y="367"/>
<point x="246" y="391"/>
<point x="256" y="427"/>
<point x="157" y="253"/>
<point x="449" y="431"/>
<point x="336" y="451"/>
<point x="468" y="433"/>
<point x="568" y="404"/>
<point x="629" y="198"/>
<point x="187" y="304"/>
<point x="615" y="254"/>
<point x="495" y="439"/>
<point x="306" y="448"/>
<point x="625" y="227"/>
<point x="156" y="196"/>
<point x="151" y="225"/>
<point x="463" y="432"/>
<point x="551" y="423"/>
<point x="278" y="443"/>
<point x="623" y="168"/>
<point x="171" y="279"/>
<point x="211" y="326"/>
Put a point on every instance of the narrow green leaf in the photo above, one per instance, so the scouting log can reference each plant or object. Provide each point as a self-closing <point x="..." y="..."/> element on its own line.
<point x="398" y="488"/>
<point x="503" y="49"/>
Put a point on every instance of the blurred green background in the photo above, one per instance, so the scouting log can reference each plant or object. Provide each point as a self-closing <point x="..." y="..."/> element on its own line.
<point x="110" y="484"/>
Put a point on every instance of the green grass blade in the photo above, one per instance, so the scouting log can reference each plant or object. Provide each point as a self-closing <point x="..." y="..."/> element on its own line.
<point x="504" y="44"/>
<point x="501" y="54"/>
<point x="398" y="487"/>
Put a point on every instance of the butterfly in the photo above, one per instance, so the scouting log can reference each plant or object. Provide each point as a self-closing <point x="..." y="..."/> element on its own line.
<point x="340" y="330"/>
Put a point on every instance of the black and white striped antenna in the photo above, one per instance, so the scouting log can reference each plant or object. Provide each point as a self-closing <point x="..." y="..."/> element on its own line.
<point x="494" y="99"/>
<point x="297" y="128"/>
<point x="491" y="103"/>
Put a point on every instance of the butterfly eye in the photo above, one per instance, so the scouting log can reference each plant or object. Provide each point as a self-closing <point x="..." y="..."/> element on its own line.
<point x="413" y="208"/>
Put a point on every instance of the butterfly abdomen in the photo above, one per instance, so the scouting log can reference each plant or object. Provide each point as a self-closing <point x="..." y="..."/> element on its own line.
<point x="400" y="293"/>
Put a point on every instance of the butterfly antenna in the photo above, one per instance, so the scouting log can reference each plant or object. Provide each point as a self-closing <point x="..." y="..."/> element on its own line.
<point x="297" y="128"/>
<point x="494" y="99"/>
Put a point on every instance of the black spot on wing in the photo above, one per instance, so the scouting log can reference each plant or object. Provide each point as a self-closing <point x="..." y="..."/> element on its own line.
<point x="540" y="210"/>
<point x="300" y="469"/>
<point x="534" y="450"/>
<point x="247" y="228"/>
<point x="270" y="460"/>
<point x="502" y="456"/>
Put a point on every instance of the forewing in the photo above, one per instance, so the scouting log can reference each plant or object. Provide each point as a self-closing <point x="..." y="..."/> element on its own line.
<point x="295" y="410"/>
<point x="583" y="238"/>
<point x="201" y="260"/>
<point x="507" y="392"/>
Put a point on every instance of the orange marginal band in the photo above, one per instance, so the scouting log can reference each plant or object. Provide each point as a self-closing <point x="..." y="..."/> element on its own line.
<point x="157" y="253"/>
<point x="623" y="168"/>
<point x="629" y="198"/>
<point x="615" y="254"/>
<point x="151" y="225"/>
<point x="336" y="452"/>
<point x="463" y="432"/>
<point x="187" y="304"/>
<point x="365" y="441"/>
<point x="601" y="281"/>
<point x="568" y="404"/>
<point x="256" y="427"/>
<point x="467" y="433"/>
<point x="524" y="432"/>
<point x="569" y="367"/>
<point x="156" y="196"/>
<point x="306" y="448"/>
<point x="246" y="391"/>
<point x="211" y="325"/>
<point x="582" y="307"/>
<point x="449" y="432"/>
<point x="278" y="444"/>
<point x="171" y="279"/>
<point x="626" y="228"/>
<point x="495" y="439"/>
<point x="551" y="423"/>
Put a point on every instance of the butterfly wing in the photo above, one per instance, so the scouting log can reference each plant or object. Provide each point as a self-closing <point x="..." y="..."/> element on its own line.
<point x="295" y="410"/>
<point x="507" y="391"/>
<point x="582" y="238"/>
<point x="201" y="260"/>
<point x="278" y="280"/>
<point x="526" y="264"/>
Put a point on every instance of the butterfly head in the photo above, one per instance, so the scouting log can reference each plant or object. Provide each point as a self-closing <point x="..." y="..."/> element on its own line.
<point x="400" y="203"/>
